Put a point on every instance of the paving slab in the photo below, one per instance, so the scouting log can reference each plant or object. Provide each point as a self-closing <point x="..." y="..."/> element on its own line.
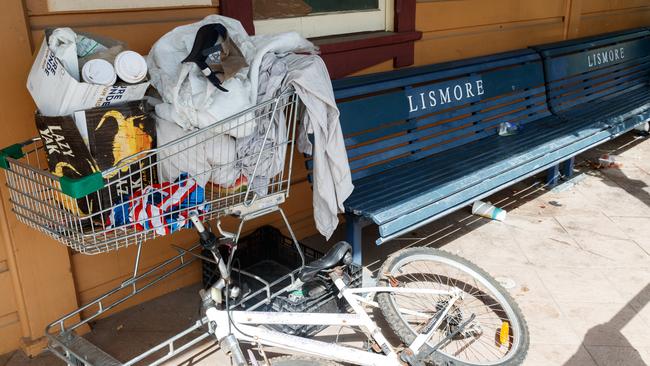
<point x="554" y="354"/>
<point x="617" y="356"/>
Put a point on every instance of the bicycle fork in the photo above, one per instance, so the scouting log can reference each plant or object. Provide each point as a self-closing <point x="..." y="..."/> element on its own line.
<point x="213" y="299"/>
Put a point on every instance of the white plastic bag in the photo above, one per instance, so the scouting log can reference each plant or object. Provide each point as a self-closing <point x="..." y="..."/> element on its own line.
<point x="189" y="98"/>
<point x="63" y="42"/>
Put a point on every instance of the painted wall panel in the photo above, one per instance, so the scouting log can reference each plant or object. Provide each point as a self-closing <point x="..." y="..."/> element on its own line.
<point x="8" y="303"/>
<point x="615" y="20"/>
<point x="469" y="42"/>
<point x="454" y="14"/>
<point x="9" y="331"/>
<point x="139" y="29"/>
<point x="592" y="6"/>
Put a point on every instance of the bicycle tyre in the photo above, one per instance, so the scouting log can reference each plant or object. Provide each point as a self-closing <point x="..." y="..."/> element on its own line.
<point x="407" y="335"/>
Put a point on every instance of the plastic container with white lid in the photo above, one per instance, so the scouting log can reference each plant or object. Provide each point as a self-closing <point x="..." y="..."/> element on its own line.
<point x="99" y="72"/>
<point x="130" y="66"/>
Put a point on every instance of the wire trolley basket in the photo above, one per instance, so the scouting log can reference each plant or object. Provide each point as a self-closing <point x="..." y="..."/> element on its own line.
<point x="238" y="165"/>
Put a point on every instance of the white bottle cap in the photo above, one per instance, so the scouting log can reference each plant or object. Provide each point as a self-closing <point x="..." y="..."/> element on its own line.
<point x="99" y="72"/>
<point x="130" y="66"/>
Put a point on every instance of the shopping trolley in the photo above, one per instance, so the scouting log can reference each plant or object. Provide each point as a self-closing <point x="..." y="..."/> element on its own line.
<point x="246" y="177"/>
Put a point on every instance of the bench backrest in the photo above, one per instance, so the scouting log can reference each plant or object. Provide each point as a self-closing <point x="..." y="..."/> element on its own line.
<point x="585" y="70"/>
<point x="393" y="118"/>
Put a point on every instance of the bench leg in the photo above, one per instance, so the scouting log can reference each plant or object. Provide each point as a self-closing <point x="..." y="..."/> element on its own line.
<point x="353" y="227"/>
<point x="552" y="175"/>
<point x="567" y="168"/>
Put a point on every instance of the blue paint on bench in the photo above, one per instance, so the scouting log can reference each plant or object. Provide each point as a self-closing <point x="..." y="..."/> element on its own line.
<point x="423" y="142"/>
<point x="598" y="77"/>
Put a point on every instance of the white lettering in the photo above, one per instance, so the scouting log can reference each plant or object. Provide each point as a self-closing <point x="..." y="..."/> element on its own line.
<point x="411" y="108"/>
<point x="432" y="98"/>
<point x="444" y="96"/>
<point x="55" y="143"/>
<point x="452" y="94"/>
<point x="479" y="87"/>
<point x="458" y="92"/>
<point x="605" y="57"/>
<point x="468" y="88"/>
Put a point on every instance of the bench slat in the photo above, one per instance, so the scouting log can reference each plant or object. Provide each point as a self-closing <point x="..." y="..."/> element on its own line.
<point x="368" y="84"/>
<point x="422" y="154"/>
<point x="595" y="75"/>
<point x="603" y="94"/>
<point x="558" y="68"/>
<point x="589" y="70"/>
<point x="410" y="124"/>
<point x="581" y="44"/>
<point x="486" y="186"/>
<point x="416" y="177"/>
<point x="431" y="129"/>
<point x="611" y="107"/>
<point x="475" y="156"/>
<point x="416" y="118"/>
<point x="449" y="135"/>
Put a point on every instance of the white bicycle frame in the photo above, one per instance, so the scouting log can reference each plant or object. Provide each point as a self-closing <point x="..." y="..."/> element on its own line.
<point x="246" y="326"/>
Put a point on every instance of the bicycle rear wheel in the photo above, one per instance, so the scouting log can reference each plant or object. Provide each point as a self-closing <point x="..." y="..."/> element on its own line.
<point x="497" y="335"/>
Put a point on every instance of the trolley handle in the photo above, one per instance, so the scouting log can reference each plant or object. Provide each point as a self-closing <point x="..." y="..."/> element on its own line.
<point x="14" y="151"/>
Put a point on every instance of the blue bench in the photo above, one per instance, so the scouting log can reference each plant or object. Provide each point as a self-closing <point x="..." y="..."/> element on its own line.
<point x="602" y="79"/>
<point x="423" y="142"/>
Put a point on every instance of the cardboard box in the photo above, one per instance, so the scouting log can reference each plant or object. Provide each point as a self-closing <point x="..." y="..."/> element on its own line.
<point x="113" y="133"/>
<point x="68" y="156"/>
<point x="56" y="93"/>
<point x="116" y="133"/>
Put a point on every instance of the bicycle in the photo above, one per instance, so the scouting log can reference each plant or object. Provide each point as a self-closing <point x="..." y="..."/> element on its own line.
<point x="444" y="331"/>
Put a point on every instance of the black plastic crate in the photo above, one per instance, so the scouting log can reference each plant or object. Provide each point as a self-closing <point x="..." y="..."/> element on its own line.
<point x="270" y="255"/>
<point x="321" y="298"/>
<point x="265" y="247"/>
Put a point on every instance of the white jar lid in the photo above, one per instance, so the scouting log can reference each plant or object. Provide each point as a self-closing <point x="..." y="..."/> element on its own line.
<point x="130" y="66"/>
<point x="99" y="72"/>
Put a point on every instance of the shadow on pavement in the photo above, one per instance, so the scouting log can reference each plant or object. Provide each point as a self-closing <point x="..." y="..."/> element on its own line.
<point x="613" y="327"/>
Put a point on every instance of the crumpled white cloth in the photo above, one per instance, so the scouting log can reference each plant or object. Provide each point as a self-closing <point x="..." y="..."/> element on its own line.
<point x="191" y="101"/>
<point x="209" y="159"/>
<point x="308" y="75"/>
<point x="266" y="149"/>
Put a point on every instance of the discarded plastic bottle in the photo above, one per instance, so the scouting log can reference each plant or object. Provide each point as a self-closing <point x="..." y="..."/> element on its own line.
<point x="508" y="129"/>
<point x="486" y="210"/>
<point x="608" y="161"/>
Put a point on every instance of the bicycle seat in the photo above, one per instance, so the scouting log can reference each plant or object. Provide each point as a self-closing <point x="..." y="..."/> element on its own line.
<point x="341" y="251"/>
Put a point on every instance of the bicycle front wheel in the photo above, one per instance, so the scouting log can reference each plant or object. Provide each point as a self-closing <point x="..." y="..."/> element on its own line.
<point x="483" y="327"/>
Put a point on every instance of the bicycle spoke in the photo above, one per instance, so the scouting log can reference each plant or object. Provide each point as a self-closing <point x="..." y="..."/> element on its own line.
<point x="475" y="343"/>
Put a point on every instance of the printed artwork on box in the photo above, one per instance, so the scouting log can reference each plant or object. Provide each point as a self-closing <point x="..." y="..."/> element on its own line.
<point x="67" y="156"/>
<point x="117" y="133"/>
